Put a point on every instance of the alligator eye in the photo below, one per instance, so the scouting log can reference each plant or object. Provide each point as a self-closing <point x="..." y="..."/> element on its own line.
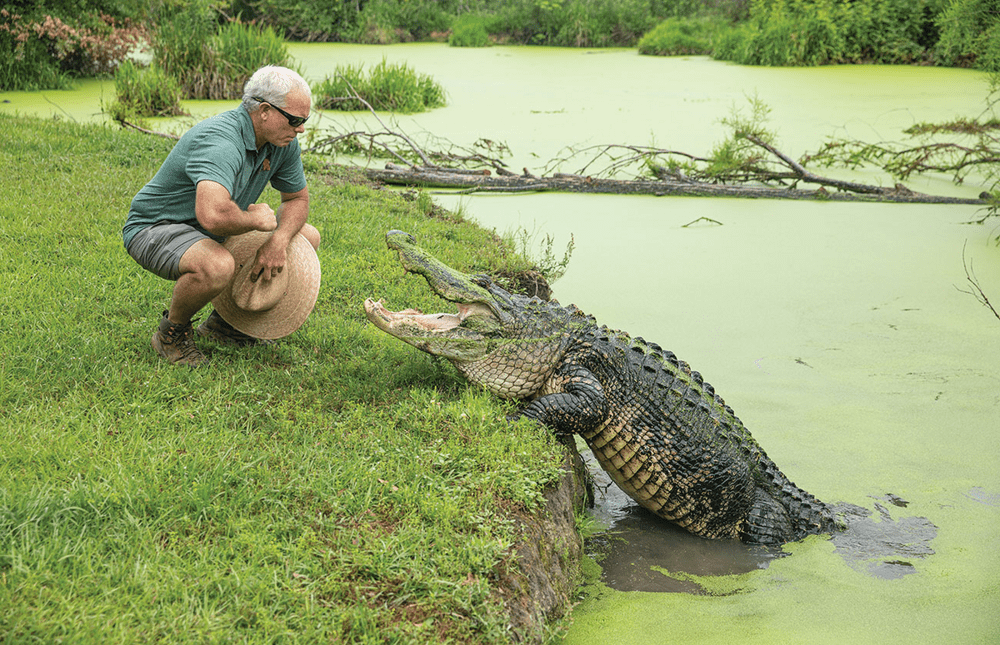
<point x="482" y="280"/>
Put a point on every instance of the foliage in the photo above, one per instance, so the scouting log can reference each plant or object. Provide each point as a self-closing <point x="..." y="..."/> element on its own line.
<point x="391" y="21"/>
<point x="548" y="264"/>
<point x="338" y="486"/>
<point x="331" y="20"/>
<point x="469" y="30"/>
<point x="574" y="23"/>
<point x="144" y="92"/>
<point x="970" y="34"/>
<point x="47" y="53"/>
<point x="820" y="32"/>
<point x="66" y="9"/>
<point x="388" y="86"/>
<point x="682" y="36"/>
<point x="736" y="156"/>
<point x="212" y="62"/>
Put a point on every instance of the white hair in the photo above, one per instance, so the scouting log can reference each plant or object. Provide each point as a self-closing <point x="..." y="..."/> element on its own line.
<point x="272" y="84"/>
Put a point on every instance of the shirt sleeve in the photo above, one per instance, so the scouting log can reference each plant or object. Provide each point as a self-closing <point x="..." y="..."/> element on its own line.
<point x="213" y="157"/>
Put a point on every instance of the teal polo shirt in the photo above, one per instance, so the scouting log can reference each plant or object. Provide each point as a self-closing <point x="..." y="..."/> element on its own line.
<point x="222" y="149"/>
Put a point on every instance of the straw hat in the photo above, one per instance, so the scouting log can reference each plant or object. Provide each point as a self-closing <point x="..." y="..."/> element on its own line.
<point x="274" y="308"/>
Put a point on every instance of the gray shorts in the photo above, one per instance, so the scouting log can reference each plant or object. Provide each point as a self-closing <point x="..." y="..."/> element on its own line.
<point x="158" y="248"/>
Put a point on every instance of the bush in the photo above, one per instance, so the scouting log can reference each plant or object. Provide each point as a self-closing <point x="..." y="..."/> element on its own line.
<point x="680" y="36"/>
<point x="970" y="34"/>
<point x="469" y="31"/>
<point x="144" y="92"/>
<point x="820" y="32"/>
<point x="391" y="21"/>
<point x="392" y="87"/>
<point x="48" y="53"/>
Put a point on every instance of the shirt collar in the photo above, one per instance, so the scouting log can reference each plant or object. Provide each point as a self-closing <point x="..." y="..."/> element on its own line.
<point x="246" y="128"/>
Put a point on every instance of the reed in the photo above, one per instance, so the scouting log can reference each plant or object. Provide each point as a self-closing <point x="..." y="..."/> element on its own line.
<point x="213" y="62"/>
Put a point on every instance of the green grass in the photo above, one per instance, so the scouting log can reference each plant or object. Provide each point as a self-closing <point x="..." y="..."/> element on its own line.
<point x="338" y="486"/>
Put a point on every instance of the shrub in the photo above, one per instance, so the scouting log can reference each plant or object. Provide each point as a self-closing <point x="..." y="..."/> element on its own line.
<point x="331" y="20"/>
<point x="818" y="32"/>
<point x="390" y="21"/>
<point x="970" y="34"/>
<point x="47" y="53"/>
<point x="144" y="92"/>
<point x="469" y="31"/>
<point x="679" y="36"/>
<point x="393" y="87"/>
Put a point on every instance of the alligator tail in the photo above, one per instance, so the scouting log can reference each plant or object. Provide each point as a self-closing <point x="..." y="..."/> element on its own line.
<point x="783" y="512"/>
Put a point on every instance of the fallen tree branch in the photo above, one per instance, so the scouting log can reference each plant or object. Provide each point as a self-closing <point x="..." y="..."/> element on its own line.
<point x="432" y="177"/>
<point x="165" y="135"/>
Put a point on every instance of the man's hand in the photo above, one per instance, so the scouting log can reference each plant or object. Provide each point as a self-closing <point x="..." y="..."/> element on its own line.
<point x="270" y="260"/>
<point x="263" y="216"/>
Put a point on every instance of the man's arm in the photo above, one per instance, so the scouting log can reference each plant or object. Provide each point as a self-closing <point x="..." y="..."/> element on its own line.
<point x="218" y="213"/>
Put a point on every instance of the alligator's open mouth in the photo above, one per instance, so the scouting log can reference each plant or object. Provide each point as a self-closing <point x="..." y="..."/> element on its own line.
<point x="388" y="320"/>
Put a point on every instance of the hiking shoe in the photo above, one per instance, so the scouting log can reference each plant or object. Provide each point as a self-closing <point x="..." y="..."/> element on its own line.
<point x="216" y="328"/>
<point x="175" y="343"/>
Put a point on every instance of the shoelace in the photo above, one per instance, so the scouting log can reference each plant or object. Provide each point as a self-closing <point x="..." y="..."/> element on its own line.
<point x="185" y="345"/>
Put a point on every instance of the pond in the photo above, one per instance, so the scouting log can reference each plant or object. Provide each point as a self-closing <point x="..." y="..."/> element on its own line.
<point x="841" y="334"/>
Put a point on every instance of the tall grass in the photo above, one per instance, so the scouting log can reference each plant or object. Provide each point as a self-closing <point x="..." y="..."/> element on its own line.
<point x="210" y="61"/>
<point x="338" y="486"/>
<point x="144" y="92"/>
<point x="394" y="87"/>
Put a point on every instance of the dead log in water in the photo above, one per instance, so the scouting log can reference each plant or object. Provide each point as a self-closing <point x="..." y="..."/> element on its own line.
<point x="482" y="181"/>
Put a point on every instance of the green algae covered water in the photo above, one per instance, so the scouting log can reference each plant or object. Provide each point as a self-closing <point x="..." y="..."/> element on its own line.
<point x="843" y="335"/>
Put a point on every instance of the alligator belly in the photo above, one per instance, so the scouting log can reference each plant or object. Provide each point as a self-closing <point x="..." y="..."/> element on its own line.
<point x="705" y="499"/>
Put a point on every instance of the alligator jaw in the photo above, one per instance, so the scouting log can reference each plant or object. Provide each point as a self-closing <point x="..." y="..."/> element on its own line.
<point x="446" y="282"/>
<point x="412" y="319"/>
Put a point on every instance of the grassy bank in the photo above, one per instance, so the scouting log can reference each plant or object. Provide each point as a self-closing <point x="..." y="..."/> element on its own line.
<point x="338" y="486"/>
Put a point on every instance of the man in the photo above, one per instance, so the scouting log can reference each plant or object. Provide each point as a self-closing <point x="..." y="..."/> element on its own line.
<point x="206" y="190"/>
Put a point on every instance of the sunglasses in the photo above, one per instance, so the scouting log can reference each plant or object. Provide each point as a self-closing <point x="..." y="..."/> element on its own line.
<point x="294" y="121"/>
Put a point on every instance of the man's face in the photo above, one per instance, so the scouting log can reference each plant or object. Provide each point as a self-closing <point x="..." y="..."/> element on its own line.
<point x="275" y="128"/>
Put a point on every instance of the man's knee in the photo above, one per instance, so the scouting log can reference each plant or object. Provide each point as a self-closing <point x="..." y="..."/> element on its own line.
<point x="210" y="262"/>
<point x="311" y="233"/>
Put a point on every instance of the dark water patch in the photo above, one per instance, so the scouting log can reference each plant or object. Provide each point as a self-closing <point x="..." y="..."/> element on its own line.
<point x="640" y="551"/>
<point x="879" y="545"/>
<point x="643" y="552"/>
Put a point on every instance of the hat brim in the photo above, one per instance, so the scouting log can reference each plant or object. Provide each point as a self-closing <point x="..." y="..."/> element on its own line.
<point x="292" y="309"/>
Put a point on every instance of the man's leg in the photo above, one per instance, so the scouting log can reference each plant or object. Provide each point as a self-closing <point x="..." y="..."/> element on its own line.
<point x="206" y="268"/>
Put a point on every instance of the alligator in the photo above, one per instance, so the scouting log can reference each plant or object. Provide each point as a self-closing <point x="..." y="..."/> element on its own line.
<point x="659" y="430"/>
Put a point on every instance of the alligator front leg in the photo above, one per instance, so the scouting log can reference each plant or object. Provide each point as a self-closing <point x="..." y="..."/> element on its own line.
<point x="576" y="403"/>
